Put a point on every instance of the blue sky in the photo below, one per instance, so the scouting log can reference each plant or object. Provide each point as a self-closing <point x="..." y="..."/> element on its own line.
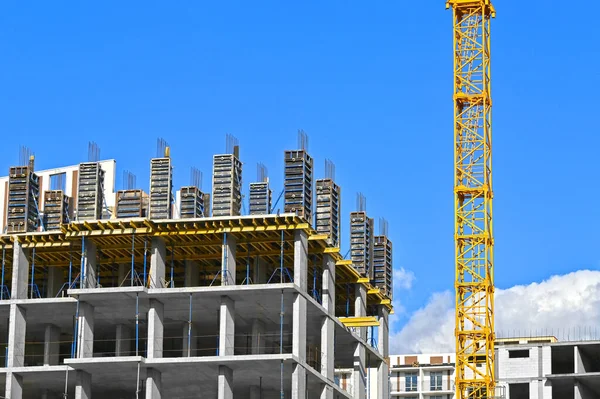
<point x="370" y="82"/>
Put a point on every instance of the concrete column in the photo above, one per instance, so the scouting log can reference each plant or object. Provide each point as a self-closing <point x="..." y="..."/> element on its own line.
<point x="122" y="274"/>
<point x="299" y="327"/>
<point x="16" y="336"/>
<point x="83" y="385"/>
<point x="227" y="327"/>
<point x="301" y="259"/>
<point x="383" y="345"/>
<point x="20" y="272"/>
<point x="260" y="271"/>
<point x="328" y="294"/>
<point x="193" y="340"/>
<point x="359" y="376"/>
<point x="255" y="392"/>
<point x="85" y="334"/>
<point x="228" y="263"/>
<point x="153" y="384"/>
<point x="51" y="345"/>
<point x="155" y="329"/>
<point x="123" y="337"/>
<point x="360" y="307"/>
<point x="327" y="325"/>
<point x="299" y="382"/>
<point x="56" y="279"/>
<point x="158" y="255"/>
<point x="258" y="337"/>
<point x="89" y="264"/>
<point x="192" y="273"/>
<point x="14" y="386"/>
<point x="582" y="391"/>
<point x="225" y="383"/>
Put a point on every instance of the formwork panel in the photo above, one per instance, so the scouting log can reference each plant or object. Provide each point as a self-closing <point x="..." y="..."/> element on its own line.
<point x="23" y="195"/>
<point x="227" y="185"/>
<point x="191" y="203"/>
<point x="361" y="243"/>
<point x="56" y="209"/>
<point x="382" y="264"/>
<point x="161" y="188"/>
<point x="90" y="191"/>
<point x="327" y="215"/>
<point x="130" y="204"/>
<point x="298" y="183"/>
<point x="260" y="198"/>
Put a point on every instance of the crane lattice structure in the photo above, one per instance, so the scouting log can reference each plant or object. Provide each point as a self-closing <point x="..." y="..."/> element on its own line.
<point x="473" y="199"/>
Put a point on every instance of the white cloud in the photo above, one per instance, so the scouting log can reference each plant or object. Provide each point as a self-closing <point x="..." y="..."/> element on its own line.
<point x="566" y="306"/>
<point x="403" y="279"/>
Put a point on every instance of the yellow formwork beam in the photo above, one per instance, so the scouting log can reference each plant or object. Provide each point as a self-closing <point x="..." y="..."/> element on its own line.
<point x="366" y="321"/>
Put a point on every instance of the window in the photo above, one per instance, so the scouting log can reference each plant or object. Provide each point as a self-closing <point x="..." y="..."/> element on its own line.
<point x="521" y="353"/>
<point x="435" y="381"/>
<point x="518" y="391"/>
<point x="410" y="381"/>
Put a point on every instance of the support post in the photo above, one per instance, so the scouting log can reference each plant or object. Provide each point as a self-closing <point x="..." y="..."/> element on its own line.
<point x="301" y="259"/>
<point x="51" y="345"/>
<point x="88" y="263"/>
<point x="158" y="256"/>
<point x="227" y="327"/>
<point x="153" y="384"/>
<point x="155" y="329"/>
<point x="190" y="342"/>
<point x="85" y="333"/>
<point x="228" y="275"/>
<point x="83" y="385"/>
<point x="225" y="383"/>
<point x="20" y="272"/>
<point x="123" y="338"/>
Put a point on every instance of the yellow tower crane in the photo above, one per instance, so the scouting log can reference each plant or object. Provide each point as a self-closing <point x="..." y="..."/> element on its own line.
<point x="473" y="199"/>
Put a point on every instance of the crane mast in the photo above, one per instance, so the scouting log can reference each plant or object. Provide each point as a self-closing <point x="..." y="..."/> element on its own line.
<point x="474" y="241"/>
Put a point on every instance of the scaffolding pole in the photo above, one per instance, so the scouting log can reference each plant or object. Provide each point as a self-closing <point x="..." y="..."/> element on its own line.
<point x="189" y="347"/>
<point x="133" y="260"/>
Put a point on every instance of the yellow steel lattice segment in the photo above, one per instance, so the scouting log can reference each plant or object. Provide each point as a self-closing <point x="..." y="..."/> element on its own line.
<point x="473" y="199"/>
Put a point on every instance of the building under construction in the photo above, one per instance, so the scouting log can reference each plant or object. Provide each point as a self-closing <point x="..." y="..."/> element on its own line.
<point x="131" y="294"/>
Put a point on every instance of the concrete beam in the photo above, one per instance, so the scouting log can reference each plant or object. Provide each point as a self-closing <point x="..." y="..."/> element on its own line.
<point x="227" y="327"/>
<point x="89" y="264"/>
<point x="14" y="386"/>
<point x="20" y="272"/>
<point x="153" y="384"/>
<point x="83" y="385"/>
<point x="301" y="259"/>
<point x="51" y="345"/>
<point x="85" y="333"/>
<point x="192" y="273"/>
<point x="155" y="329"/>
<point x="228" y="263"/>
<point x="158" y="256"/>
<point x="299" y="327"/>
<point x="225" y="383"/>
<point x="16" y="336"/>
<point x="298" y="382"/>
<point x="123" y="338"/>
